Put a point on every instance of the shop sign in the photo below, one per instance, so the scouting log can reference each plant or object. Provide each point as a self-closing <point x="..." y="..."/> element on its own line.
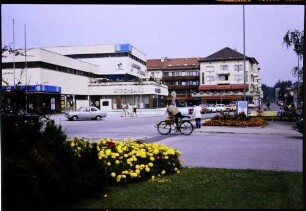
<point x="136" y="66"/>
<point x="157" y="90"/>
<point x="128" y="91"/>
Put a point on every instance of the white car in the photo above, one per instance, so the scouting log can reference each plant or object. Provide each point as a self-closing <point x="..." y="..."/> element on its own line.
<point x="211" y="108"/>
<point x="83" y="113"/>
<point x="251" y="105"/>
<point x="221" y="107"/>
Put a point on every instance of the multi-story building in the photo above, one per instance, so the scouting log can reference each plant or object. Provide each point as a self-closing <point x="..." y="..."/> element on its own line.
<point x="221" y="78"/>
<point x="179" y="74"/>
<point x="65" y="78"/>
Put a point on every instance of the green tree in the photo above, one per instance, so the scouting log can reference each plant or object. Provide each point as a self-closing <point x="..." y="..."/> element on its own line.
<point x="295" y="39"/>
<point x="283" y="86"/>
<point x="268" y="93"/>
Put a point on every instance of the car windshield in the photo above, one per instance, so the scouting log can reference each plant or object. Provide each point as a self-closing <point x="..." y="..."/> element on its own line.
<point x="81" y="109"/>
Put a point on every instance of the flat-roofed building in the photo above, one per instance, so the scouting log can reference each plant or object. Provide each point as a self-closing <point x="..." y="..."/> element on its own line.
<point x="65" y="78"/>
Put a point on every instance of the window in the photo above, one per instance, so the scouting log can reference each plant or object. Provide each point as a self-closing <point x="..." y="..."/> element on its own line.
<point x="105" y="103"/>
<point x="223" y="78"/>
<point x="94" y="109"/>
<point x="238" y="77"/>
<point x="238" y="67"/>
<point x="210" y="68"/>
<point x="210" y="78"/>
<point x="224" y="67"/>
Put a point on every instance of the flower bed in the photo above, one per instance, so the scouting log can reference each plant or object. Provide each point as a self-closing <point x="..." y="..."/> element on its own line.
<point x="236" y="121"/>
<point x="127" y="161"/>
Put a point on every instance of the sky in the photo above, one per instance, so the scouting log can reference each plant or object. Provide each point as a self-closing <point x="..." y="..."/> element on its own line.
<point x="174" y="31"/>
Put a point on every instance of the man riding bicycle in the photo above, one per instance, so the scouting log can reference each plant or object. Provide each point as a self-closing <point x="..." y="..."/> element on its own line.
<point x="173" y="111"/>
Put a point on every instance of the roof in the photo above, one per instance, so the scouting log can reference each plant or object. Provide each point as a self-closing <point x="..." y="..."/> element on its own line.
<point x="172" y="63"/>
<point x="227" y="54"/>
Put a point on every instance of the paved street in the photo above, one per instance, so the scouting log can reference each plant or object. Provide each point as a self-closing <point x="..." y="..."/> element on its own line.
<point x="272" y="147"/>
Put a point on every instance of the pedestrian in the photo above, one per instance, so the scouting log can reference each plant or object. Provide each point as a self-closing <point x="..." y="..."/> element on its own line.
<point x="268" y="105"/>
<point x="135" y="110"/>
<point x="197" y="115"/>
<point x="130" y="110"/>
<point x="173" y="111"/>
<point x="123" y="110"/>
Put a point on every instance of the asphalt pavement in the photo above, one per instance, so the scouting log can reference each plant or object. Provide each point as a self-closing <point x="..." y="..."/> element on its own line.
<point x="255" y="147"/>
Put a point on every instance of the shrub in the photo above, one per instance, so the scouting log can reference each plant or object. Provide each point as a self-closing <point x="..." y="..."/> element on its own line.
<point x="240" y="120"/>
<point x="130" y="160"/>
<point x="40" y="171"/>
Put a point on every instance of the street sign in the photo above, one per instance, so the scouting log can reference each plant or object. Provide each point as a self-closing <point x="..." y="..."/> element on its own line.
<point x="242" y="106"/>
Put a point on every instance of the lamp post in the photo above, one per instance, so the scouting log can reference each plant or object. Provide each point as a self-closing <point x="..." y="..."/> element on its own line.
<point x="244" y="94"/>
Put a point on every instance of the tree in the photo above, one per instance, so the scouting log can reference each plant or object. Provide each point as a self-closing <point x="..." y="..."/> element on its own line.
<point x="268" y="93"/>
<point x="295" y="38"/>
<point x="283" y="86"/>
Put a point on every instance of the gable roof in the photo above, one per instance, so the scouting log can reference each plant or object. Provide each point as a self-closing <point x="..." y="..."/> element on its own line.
<point x="172" y="63"/>
<point x="226" y="54"/>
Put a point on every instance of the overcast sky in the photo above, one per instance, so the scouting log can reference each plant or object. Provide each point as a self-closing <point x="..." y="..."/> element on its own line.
<point x="174" y="31"/>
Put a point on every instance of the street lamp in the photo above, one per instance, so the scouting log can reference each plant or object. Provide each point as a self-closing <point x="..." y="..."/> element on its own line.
<point x="244" y="94"/>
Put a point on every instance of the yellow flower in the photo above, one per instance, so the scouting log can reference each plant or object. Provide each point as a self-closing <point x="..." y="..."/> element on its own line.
<point x="150" y="164"/>
<point x="137" y="171"/>
<point x="175" y="169"/>
<point x="178" y="172"/>
<point x="152" y="158"/>
<point x="117" y="162"/>
<point x="153" y="178"/>
<point x="166" y="157"/>
<point x="113" y="174"/>
<point x="123" y="176"/>
<point x="72" y="144"/>
<point x="108" y="164"/>
<point x="163" y="172"/>
<point x="147" y="169"/>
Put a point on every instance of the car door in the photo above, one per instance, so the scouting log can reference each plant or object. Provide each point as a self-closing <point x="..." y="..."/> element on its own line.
<point x="93" y="112"/>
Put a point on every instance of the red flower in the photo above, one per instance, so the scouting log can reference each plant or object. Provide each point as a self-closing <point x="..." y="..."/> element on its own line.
<point x="111" y="144"/>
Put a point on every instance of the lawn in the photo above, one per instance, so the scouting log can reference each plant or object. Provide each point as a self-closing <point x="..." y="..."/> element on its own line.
<point x="204" y="188"/>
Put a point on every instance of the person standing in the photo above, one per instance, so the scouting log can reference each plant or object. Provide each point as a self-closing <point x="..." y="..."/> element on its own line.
<point x="130" y="110"/>
<point x="123" y="110"/>
<point x="135" y="110"/>
<point x="197" y="110"/>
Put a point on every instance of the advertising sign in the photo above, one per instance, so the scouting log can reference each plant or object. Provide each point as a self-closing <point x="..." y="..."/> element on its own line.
<point x="242" y="106"/>
<point x="52" y="104"/>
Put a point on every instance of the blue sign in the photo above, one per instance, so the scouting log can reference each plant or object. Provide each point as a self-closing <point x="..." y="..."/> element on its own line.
<point x="123" y="48"/>
<point x="242" y="106"/>
<point x="35" y="88"/>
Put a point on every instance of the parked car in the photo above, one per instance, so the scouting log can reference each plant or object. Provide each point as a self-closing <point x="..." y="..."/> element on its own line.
<point x="83" y="113"/>
<point x="300" y="126"/>
<point x="211" y="108"/>
<point x="251" y="105"/>
<point x="221" y="107"/>
<point x="203" y="106"/>
<point x="232" y="106"/>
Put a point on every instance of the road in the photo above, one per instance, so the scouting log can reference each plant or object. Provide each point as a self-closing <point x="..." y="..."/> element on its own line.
<point x="274" y="147"/>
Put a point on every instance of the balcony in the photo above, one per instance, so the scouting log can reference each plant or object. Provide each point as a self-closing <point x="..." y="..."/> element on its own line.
<point x="223" y="72"/>
<point x="175" y="78"/>
<point x="223" y="82"/>
<point x="183" y="87"/>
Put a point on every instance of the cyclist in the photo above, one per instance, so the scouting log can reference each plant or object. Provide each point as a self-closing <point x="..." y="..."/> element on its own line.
<point x="173" y="111"/>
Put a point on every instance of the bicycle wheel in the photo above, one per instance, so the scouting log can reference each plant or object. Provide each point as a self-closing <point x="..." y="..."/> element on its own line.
<point x="163" y="128"/>
<point x="186" y="128"/>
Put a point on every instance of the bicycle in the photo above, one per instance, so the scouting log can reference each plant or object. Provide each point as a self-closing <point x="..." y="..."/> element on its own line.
<point x="166" y="126"/>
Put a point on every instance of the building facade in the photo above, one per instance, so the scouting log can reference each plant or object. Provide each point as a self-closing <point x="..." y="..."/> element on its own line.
<point x="65" y="78"/>
<point x="221" y="78"/>
<point x="179" y="74"/>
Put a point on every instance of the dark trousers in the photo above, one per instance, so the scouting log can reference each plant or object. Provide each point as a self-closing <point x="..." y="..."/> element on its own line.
<point x="176" y="118"/>
<point x="198" y="122"/>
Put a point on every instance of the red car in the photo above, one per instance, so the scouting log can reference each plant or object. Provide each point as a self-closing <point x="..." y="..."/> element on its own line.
<point x="203" y="106"/>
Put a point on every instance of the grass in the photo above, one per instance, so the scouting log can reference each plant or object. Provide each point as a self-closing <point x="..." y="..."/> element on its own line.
<point x="203" y="188"/>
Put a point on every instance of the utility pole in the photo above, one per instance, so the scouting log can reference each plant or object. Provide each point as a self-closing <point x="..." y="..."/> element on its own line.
<point x="244" y="94"/>
<point x="14" y="51"/>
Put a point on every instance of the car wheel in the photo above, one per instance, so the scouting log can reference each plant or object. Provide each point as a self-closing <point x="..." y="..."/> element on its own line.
<point x="74" y="118"/>
<point x="98" y="117"/>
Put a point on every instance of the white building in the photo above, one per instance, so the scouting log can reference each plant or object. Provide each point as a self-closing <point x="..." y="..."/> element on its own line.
<point x="65" y="78"/>
<point x="221" y="78"/>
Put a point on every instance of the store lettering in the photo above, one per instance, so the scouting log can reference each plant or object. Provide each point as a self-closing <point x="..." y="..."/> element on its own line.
<point x="127" y="91"/>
